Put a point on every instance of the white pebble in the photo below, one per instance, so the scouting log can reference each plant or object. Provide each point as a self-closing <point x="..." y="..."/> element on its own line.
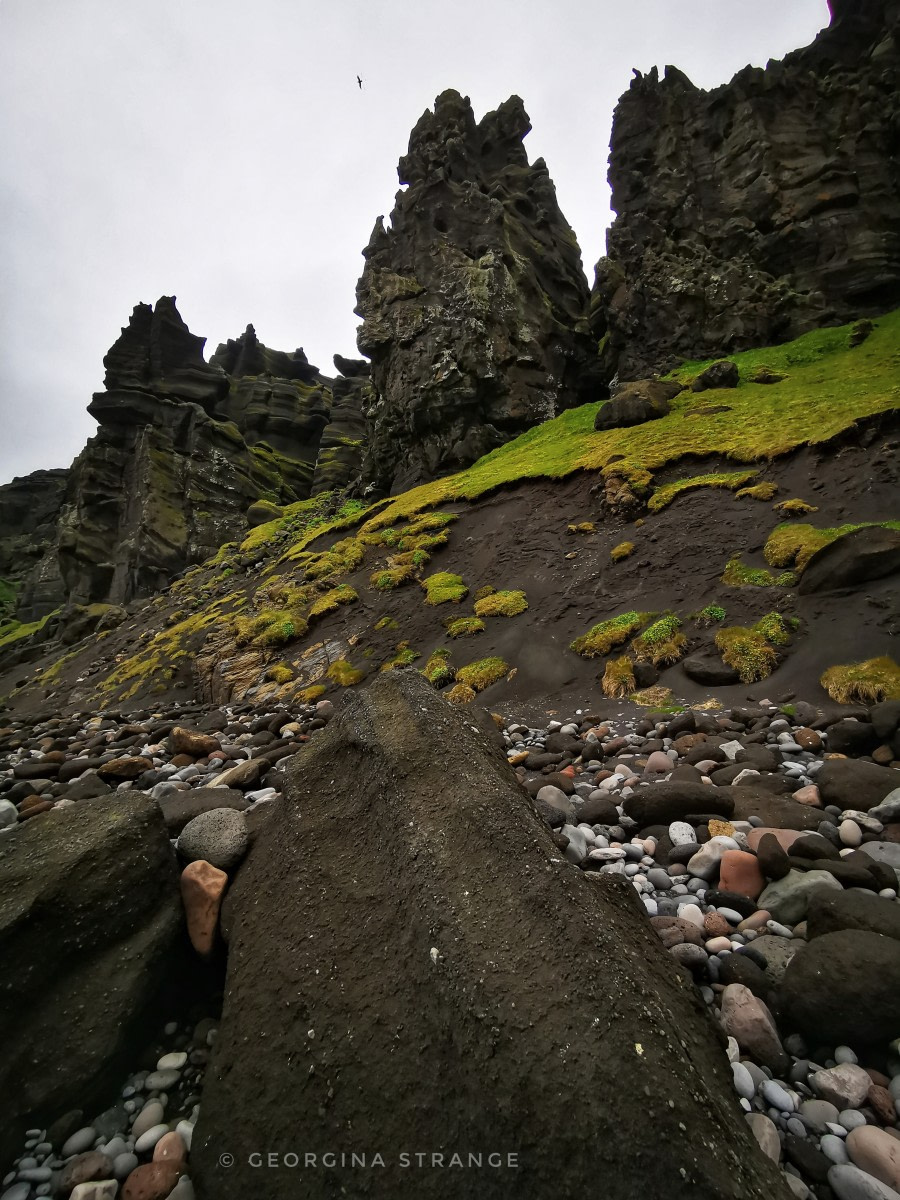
<point x="832" y="1147"/>
<point x="149" y="1139"/>
<point x="172" y="1062"/>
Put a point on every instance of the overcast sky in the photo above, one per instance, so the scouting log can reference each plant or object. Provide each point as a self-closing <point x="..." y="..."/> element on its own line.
<point x="221" y="151"/>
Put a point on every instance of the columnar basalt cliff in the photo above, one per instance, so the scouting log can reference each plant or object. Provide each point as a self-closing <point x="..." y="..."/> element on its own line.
<point x="472" y="301"/>
<point x="29" y="514"/>
<point x="754" y="212"/>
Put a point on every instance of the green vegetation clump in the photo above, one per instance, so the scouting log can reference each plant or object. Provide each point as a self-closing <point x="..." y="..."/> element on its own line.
<point x="759" y="491"/>
<point x="331" y="601"/>
<point x="581" y="527"/>
<point x="487" y="590"/>
<point x="868" y="682"/>
<point x="659" y="698"/>
<point x="481" y="674"/>
<point x="623" y="550"/>
<point x="391" y="578"/>
<point x="438" y="670"/>
<point x="749" y="650"/>
<point x="309" y="695"/>
<point x="794" y="545"/>
<point x="460" y="694"/>
<point x="662" y="643"/>
<point x="608" y="634"/>
<point x="344" y="673"/>
<point x="464" y="626"/>
<point x="710" y="615"/>
<point x="618" y="678"/>
<point x="501" y="604"/>
<point x="736" y="574"/>
<point x="663" y="496"/>
<point x="386" y="623"/>
<point x="280" y="673"/>
<point x="343" y="557"/>
<point x="404" y="657"/>
<point x="444" y="588"/>
<point x="15" y="631"/>
<point x="795" y="508"/>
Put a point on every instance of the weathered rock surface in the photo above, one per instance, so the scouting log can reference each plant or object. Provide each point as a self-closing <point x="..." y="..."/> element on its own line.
<point x="753" y="212"/>
<point x="429" y="987"/>
<point x="472" y="300"/>
<point x="29" y="511"/>
<point x="89" y="917"/>
<point x="341" y="446"/>
<point x="863" y="554"/>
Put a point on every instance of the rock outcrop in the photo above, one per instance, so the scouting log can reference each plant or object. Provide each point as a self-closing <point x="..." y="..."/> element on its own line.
<point x="340" y="448"/>
<point x="756" y="211"/>
<point x="472" y="300"/>
<point x="29" y="513"/>
<point x="90" y="922"/>
<point x="416" y="996"/>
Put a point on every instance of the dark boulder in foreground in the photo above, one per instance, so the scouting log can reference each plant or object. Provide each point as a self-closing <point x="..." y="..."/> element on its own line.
<point x="414" y="968"/>
<point x="89" y="917"/>
<point x="868" y="553"/>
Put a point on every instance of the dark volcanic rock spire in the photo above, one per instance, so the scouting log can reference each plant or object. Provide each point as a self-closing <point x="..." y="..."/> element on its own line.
<point x="752" y="213"/>
<point x="471" y="300"/>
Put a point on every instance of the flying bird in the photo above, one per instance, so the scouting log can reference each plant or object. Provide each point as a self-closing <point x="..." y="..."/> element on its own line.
<point x="359" y="81"/>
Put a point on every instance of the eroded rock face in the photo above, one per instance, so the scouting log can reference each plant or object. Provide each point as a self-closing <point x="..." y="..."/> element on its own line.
<point x="341" y="446"/>
<point x="756" y="211"/>
<point x="29" y="511"/>
<point x="183" y="449"/>
<point x="471" y="300"/>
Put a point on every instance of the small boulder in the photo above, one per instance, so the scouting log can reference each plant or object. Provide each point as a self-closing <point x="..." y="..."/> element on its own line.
<point x="722" y="374"/>
<point x="747" y="1019"/>
<point x="202" y="889"/>
<point x="219" y="836"/>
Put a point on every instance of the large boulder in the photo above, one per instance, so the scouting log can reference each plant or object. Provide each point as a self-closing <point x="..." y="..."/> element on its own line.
<point x="90" y="924"/>
<point x="844" y="989"/>
<point x="662" y="803"/>
<point x="644" y="400"/>
<point x="829" y="911"/>
<point x="428" y="974"/>
<point x="852" y="783"/>
<point x="864" y="554"/>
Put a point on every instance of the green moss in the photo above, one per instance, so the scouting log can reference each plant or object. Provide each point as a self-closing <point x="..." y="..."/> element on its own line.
<point x="501" y="604"/>
<point x="444" y="588"/>
<point x="461" y="694"/>
<point x="794" y="545"/>
<point x="404" y="657"/>
<point x="618" y="678"/>
<point x="487" y="590"/>
<point x="831" y="386"/>
<point x="271" y="627"/>
<point x="759" y="491"/>
<point x="15" y="631"/>
<point x="795" y="508"/>
<point x="606" y="635"/>
<point x="736" y="574"/>
<point x="749" y="650"/>
<point x="663" y="496"/>
<point x="280" y="673"/>
<point x="710" y="615"/>
<point x="581" y="527"/>
<point x="662" y="643"/>
<point x="309" y="695"/>
<point x="482" y="673"/>
<point x="386" y="623"/>
<point x="344" y="673"/>
<point x="623" y="550"/>
<point x="391" y="578"/>
<point x="331" y="601"/>
<point x="343" y="557"/>
<point x="868" y="682"/>
<point x="464" y="626"/>
<point x="438" y="670"/>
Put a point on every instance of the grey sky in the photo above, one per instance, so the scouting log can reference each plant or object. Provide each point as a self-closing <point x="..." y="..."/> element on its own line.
<point x="221" y="151"/>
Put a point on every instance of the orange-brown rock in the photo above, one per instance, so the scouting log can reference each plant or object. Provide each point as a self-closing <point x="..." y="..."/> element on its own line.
<point x="151" y="1182"/>
<point x="808" y="739"/>
<point x="193" y="742"/>
<point x="124" y="768"/>
<point x="171" y="1149"/>
<point x="202" y="889"/>
<point x="739" y="872"/>
<point x="35" y="810"/>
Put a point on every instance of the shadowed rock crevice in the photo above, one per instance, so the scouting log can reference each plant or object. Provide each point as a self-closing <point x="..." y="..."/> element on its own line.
<point x="418" y="994"/>
<point x="472" y="299"/>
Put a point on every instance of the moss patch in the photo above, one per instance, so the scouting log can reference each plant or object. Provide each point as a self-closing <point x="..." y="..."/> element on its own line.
<point x="404" y="657"/>
<point x="331" y="601"/>
<point x="794" y="545"/>
<point x="391" y="578"/>
<point x="867" y="682"/>
<point x="482" y="673"/>
<point x="501" y="604"/>
<point x="736" y="574"/>
<point x="664" y="495"/>
<point x="386" y="623"/>
<point x="444" y="588"/>
<point x="662" y="643"/>
<point x="759" y="491"/>
<point x="749" y="650"/>
<point x="309" y="695"/>
<point x="461" y="694"/>
<point x="464" y="626"/>
<point x="795" y="508"/>
<point x="606" y="635"/>
<point x="711" y="615"/>
<point x="623" y="550"/>
<point x="344" y="673"/>
<point x="280" y="673"/>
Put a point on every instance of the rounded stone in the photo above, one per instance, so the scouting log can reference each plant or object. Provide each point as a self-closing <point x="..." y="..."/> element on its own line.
<point x="877" y="1153"/>
<point x="219" y="837"/>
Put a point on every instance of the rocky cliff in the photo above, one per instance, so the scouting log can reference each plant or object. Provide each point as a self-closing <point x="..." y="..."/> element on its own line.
<point x="759" y="210"/>
<point x="472" y="300"/>
<point x="184" y="448"/>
